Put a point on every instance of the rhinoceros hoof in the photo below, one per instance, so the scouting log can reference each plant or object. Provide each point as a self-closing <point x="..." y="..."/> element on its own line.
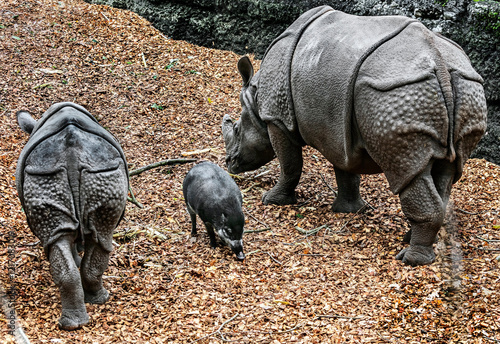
<point x="97" y="298"/>
<point x="72" y="319"/>
<point x="417" y="255"/>
<point x="340" y="206"/>
<point x="273" y="197"/>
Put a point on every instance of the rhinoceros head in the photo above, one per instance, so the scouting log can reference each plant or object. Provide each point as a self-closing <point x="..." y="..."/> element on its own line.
<point x="247" y="142"/>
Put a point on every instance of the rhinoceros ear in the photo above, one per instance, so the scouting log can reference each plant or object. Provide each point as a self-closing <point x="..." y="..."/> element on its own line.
<point x="246" y="70"/>
<point x="25" y="121"/>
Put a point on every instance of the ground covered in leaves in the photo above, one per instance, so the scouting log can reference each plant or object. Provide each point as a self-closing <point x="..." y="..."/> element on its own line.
<point x="311" y="276"/>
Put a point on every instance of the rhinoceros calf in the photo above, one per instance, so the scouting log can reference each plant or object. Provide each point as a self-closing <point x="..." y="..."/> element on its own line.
<point x="212" y="194"/>
<point x="372" y="94"/>
<point x="72" y="180"/>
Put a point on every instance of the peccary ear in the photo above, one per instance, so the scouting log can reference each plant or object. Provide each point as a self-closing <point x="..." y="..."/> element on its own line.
<point x="25" y="121"/>
<point x="246" y="70"/>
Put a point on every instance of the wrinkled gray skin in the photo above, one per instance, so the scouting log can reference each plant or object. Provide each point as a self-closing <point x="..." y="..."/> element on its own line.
<point x="409" y="105"/>
<point x="72" y="181"/>
<point x="213" y="195"/>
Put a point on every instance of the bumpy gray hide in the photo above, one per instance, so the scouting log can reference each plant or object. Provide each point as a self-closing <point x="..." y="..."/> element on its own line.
<point x="372" y="94"/>
<point x="212" y="194"/>
<point x="72" y="181"/>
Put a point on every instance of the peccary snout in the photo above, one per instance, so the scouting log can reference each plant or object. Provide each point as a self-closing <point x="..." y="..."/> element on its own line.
<point x="213" y="195"/>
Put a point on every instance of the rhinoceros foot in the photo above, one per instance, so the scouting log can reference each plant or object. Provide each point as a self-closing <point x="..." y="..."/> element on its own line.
<point x="72" y="319"/>
<point x="274" y="196"/>
<point x="341" y="206"/>
<point x="417" y="255"/>
<point x="97" y="298"/>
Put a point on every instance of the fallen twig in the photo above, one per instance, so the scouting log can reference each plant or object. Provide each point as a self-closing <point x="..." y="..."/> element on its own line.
<point x="133" y="200"/>
<point x="160" y="163"/>
<point x="257" y="230"/>
<point x="492" y="339"/>
<point x="272" y="257"/>
<point x="218" y="331"/>
<point x="468" y="212"/>
<point x="249" y="253"/>
<point x="261" y="174"/>
<point x="199" y="151"/>
<point x="313" y="254"/>
<point x="324" y="181"/>
<point x="484" y="248"/>
<point x="267" y="227"/>
<point x="337" y="317"/>
<point x="311" y="231"/>
<point x="487" y="240"/>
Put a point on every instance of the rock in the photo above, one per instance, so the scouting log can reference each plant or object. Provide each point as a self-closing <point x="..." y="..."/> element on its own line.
<point x="248" y="26"/>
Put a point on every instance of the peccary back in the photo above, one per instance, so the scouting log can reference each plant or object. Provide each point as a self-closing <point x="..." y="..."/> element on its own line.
<point x="212" y="194"/>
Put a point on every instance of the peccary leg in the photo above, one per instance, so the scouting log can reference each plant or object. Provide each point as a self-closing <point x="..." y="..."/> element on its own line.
<point x="348" y="199"/>
<point x="211" y="234"/>
<point x="424" y="203"/>
<point x="94" y="263"/>
<point x="67" y="278"/>
<point x="290" y="158"/>
<point x="192" y="214"/>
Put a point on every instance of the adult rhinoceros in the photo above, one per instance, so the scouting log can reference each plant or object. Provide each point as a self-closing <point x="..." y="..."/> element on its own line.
<point x="372" y="94"/>
<point x="72" y="181"/>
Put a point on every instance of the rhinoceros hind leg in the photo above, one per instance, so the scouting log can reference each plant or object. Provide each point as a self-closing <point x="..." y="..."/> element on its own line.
<point x="76" y="256"/>
<point x="424" y="203"/>
<point x="290" y="157"/>
<point x="348" y="198"/>
<point x="94" y="263"/>
<point x="67" y="278"/>
<point x="417" y="255"/>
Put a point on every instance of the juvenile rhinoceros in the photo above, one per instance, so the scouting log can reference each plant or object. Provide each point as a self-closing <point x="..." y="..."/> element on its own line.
<point x="72" y="180"/>
<point x="372" y="94"/>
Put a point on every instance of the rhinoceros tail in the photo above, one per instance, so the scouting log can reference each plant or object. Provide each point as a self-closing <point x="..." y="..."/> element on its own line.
<point x="445" y="82"/>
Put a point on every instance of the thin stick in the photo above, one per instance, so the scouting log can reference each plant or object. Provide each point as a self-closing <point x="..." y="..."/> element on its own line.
<point x="312" y="231"/>
<point x="484" y="248"/>
<point x="218" y="331"/>
<point x="324" y="181"/>
<point x="132" y="198"/>
<point x="160" y="163"/>
<point x="257" y="230"/>
<point x="261" y="174"/>
<point x="467" y="212"/>
<point x="270" y="255"/>
<point x="487" y="240"/>
<point x="267" y="227"/>
<point x="144" y="60"/>
<point x="337" y="317"/>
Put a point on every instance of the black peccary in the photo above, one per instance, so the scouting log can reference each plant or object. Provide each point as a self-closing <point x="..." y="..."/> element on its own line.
<point x="211" y="193"/>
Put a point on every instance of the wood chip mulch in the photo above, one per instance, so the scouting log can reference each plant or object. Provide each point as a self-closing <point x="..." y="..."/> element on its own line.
<point x="311" y="276"/>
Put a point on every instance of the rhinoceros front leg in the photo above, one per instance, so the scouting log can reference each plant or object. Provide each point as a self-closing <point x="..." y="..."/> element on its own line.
<point x="94" y="263"/>
<point x="67" y="278"/>
<point x="348" y="198"/>
<point x="424" y="203"/>
<point x="290" y="158"/>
